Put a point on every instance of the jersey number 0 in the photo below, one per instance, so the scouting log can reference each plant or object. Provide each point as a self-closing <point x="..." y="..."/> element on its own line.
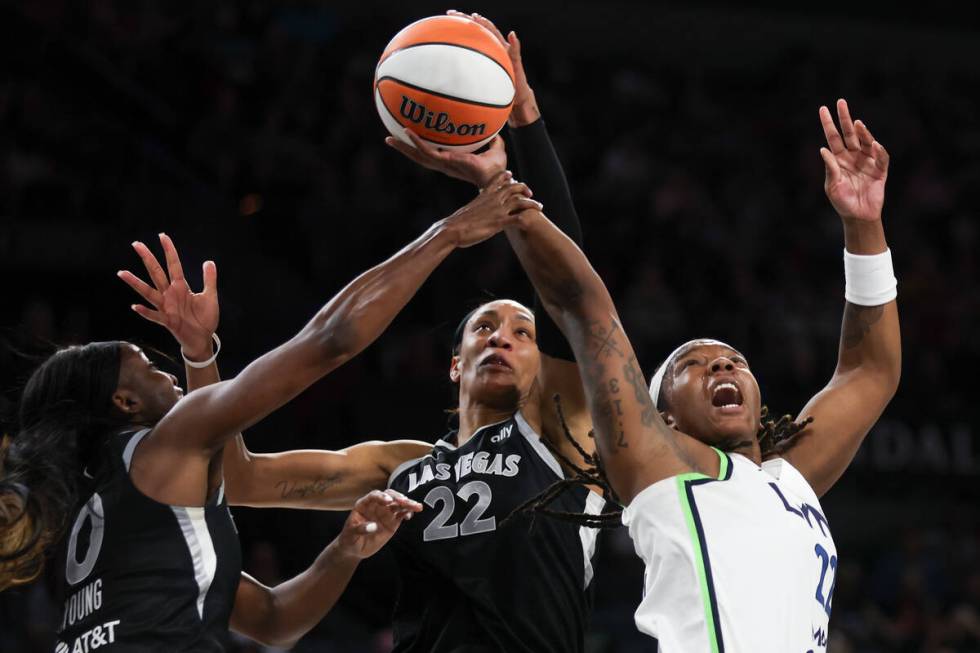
<point x="75" y="571"/>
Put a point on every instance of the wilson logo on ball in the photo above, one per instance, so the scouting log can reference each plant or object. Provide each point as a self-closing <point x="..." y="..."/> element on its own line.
<point x="448" y="80"/>
<point x="440" y="122"/>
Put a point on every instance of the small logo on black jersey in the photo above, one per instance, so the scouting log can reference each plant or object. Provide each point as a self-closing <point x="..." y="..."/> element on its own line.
<point x="503" y="434"/>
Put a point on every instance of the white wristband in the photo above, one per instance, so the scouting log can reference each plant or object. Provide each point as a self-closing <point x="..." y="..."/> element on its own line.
<point x="207" y="363"/>
<point x="869" y="280"/>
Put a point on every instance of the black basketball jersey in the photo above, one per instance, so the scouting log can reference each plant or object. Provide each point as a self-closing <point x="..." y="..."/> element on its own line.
<point x="469" y="584"/>
<point x="144" y="576"/>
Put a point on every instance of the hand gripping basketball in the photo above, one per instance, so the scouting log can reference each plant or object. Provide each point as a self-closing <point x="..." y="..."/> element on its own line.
<point x="477" y="169"/>
<point x="525" y="109"/>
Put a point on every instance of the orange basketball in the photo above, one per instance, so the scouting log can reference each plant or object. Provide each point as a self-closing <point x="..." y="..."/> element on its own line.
<point x="447" y="79"/>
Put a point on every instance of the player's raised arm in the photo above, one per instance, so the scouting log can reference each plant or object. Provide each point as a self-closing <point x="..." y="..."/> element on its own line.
<point x="280" y="615"/>
<point x="204" y="420"/>
<point x="636" y="446"/>
<point x="536" y="163"/>
<point x="311" y="478"/>
<point x="869" y="358"/>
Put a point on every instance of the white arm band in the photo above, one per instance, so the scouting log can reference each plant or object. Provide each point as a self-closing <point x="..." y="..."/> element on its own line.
<point x="869" y="280"/>
<point x="200" y="365"/>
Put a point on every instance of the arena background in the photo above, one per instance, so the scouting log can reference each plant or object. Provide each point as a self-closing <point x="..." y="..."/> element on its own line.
<point x="689" y="132"/>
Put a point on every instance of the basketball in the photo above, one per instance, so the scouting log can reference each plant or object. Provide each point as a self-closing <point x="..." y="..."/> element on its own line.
<point x="447" y="79"/>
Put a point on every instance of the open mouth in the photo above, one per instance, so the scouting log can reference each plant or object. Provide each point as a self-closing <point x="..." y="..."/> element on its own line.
<point x="726" y="396"/>
<point x="495" y="361"/>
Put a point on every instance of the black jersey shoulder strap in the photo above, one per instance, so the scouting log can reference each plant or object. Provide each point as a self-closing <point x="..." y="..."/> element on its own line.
<point x="131" y="444"/>
<point x="534" y="440"/>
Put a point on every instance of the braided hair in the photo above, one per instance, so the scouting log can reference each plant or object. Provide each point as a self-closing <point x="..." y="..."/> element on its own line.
<point x="66" y="416"/>
<point x="774" y="434"/>
<point x="592" y="473"/>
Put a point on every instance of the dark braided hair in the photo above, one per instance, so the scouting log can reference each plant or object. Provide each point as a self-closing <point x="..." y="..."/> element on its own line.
<point x="773" y="434"/>
<point x="66" y="416"/>
<point x="592" y="473"/>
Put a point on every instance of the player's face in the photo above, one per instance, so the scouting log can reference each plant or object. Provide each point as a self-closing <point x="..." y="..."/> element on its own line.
<point x="498" y="358"/>
<point x="714" y="397"/>
<point x="145" y="391"/>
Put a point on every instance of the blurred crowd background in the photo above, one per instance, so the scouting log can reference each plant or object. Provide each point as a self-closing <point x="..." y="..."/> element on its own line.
<point x="246" y="130"/>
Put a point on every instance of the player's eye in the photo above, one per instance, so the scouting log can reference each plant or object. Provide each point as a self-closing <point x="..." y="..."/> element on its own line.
<point x="483" y="325"/>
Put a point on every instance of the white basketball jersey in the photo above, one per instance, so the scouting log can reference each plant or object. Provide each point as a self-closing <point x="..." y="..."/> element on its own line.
<point x="743" y="563"/>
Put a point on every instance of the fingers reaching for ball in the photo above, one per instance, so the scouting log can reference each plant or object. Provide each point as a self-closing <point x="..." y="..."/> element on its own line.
<point x="496" y="208"/>
<point x="525" y="108"/>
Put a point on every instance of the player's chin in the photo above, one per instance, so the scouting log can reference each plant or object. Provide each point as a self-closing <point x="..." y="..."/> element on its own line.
<point x="499" y="389"/>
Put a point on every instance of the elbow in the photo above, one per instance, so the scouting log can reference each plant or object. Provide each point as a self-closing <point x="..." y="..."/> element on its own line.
<point x="888" y="377"/>
<point x="237" y="476"/>
<point x="334" y="341"/>
<point x="270" y="631"/>
<point x="274" y="640"/>
<point x="893" y="381"/>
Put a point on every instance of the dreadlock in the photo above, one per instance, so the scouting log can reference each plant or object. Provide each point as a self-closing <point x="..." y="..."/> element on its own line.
<point x="592" y="473"/>
<point x="773" y="433"/>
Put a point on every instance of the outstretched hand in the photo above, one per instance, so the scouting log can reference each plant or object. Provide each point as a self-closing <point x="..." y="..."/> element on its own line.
<point x="477" y="169"/>
<point x="497" y="207"/>
<point x="856" y="166"/>
<point x="525" y="109"/>
<point x="375" y="518"/>
<point x="190" y="317"/>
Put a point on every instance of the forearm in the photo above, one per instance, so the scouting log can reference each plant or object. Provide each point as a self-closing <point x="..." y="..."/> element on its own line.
<point x="314" y="479"/>
<point x="294" y="607"/>
<point x="538" y="166"/>
<point x="636" y="447"/>
<point x="870" y="339"/>
<point x="562" y="276"/>
<point x="347" y="324"/>
<point x="361" y="311"/>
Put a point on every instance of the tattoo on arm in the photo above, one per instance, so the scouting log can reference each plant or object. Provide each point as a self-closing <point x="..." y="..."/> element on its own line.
<point x="603" y="344"/>
<point x="317" y="487"/>
<point x="606" y="343"/>
<point x="635" y="378"/>
<point x="858" y="321"/>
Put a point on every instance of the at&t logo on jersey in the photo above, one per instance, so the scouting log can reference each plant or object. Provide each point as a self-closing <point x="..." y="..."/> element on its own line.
<point x="91" y="640"/>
